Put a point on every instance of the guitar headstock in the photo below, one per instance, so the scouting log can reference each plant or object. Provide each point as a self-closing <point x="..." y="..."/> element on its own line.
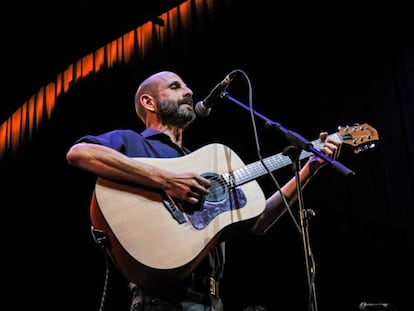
<point x="359" y="136"/>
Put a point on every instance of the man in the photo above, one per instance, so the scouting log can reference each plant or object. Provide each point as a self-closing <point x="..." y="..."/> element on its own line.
<point x="165" y="104"/>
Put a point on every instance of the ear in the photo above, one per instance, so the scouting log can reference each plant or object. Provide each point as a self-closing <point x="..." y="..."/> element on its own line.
<point x="148" y="102"/>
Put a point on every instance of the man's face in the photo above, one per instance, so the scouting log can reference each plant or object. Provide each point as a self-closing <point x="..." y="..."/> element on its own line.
<point x="174" y="101"/>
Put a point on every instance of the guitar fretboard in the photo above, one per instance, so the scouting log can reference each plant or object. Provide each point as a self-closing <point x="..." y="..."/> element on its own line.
<point x="260" y="168"/>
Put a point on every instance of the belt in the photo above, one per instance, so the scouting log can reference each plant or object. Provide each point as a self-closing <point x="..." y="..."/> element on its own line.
<point x="204" y="297"/>
<point x="214" y="287"/>
<point x="206" y="289"/>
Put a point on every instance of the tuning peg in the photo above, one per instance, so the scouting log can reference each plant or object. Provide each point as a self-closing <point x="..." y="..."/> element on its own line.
<point x="363" y="148"/>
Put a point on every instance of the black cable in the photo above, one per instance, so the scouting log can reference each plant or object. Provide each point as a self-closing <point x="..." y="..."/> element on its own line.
<point x="101" y="239"/>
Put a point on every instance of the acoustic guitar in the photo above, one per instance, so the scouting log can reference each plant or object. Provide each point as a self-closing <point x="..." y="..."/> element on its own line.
<point x="155" y="240"/>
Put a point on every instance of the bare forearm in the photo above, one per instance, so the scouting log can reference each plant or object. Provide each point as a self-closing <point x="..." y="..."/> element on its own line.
<point x="275" y="205"/>
<point x="108" y="163"/>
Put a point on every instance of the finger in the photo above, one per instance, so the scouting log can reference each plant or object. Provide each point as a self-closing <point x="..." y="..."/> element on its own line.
<point x="193" y="197"/>
<point x="323" y="136"/>
<point x="328" y="150"/>
<point x="198" y="189"/>
<point x="203" y="181"/>
<point x="200" y="186"/>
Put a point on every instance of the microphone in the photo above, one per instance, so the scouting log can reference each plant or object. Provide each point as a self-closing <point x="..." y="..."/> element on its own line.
<point x="365" y="306"/>
<point x="203" y="108"/>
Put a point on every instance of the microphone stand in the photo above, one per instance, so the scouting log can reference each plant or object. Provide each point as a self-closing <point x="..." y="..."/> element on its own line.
<point x="298" y="143"/>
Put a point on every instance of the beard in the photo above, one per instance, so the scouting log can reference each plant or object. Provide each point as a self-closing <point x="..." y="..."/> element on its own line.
<point x="175" y="113"/>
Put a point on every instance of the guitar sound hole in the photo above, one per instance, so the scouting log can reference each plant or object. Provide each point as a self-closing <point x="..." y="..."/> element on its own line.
<point x="220" y="199"/>
<point x="218" y="189"/>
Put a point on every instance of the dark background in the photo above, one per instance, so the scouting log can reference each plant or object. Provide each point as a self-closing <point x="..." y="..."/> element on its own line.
<point x="310" y="70"/>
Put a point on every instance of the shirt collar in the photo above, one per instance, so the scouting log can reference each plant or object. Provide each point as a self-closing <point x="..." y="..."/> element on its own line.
<point x="155" y="134"/>
<point x="151" y="132"/>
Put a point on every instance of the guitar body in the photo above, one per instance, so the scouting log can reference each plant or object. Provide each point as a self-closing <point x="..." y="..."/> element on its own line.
<point x="152" y="240"/>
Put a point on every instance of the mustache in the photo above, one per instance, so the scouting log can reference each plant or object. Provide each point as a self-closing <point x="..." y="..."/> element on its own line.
<point x="186" y="101"/>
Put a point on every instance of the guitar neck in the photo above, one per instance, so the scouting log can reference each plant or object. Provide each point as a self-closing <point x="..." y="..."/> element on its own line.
<point x="260" y="168"/>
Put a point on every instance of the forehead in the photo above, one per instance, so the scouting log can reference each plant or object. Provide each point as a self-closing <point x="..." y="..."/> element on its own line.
<point x="166" y="78"/>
